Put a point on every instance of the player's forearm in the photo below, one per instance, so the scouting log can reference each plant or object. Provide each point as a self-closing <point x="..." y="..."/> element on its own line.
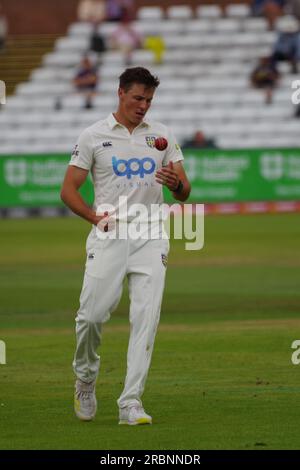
<point x="73" y="200"/>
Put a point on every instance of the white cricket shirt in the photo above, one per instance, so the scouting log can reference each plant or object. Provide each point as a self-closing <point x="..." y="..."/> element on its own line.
<point x="124" y="164"/>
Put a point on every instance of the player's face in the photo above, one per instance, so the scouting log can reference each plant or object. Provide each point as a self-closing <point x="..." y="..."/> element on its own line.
<point x="135" y="103"/>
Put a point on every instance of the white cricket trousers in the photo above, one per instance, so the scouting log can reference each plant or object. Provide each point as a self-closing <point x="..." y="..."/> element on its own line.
<point x="108" y="262"/>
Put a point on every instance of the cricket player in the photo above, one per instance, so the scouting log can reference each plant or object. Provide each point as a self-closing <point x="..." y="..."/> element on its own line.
<point x="129" y="157"/>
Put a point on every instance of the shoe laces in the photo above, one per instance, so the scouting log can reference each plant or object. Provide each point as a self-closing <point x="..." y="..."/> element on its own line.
<point x="85" y="391"/>
<point x="84" y="395"/>
<point x="137" y="408"/>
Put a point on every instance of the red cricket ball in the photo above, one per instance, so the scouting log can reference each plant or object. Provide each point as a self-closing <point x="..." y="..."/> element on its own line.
<point x="161" y="143"/>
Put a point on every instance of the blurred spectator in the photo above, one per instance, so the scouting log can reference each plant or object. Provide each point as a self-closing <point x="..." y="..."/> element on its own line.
<point x="271" y="9"/>
<point x="126" y="38"/>
<point x="3" y="28"/>
<point x="93" y="11"/>
<point x="265" y="76"/>
<point x="287" y="45"/>
<point x="115" y="9"/>
<point x="86" y="81"/>
<point x="156" y="45"/>
<point x="293" y="7"/>
<point x="97" y="40"/>
<point x="199" y="141"/>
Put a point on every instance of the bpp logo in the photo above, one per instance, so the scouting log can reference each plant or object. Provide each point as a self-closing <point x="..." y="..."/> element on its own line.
<point x="133" y="167"/>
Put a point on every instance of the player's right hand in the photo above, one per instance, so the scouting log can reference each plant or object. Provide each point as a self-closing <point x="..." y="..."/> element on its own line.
<point x="104" y="222"/>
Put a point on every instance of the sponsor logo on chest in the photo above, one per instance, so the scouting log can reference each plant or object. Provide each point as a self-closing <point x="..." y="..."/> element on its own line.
<point x="133" y="167"/>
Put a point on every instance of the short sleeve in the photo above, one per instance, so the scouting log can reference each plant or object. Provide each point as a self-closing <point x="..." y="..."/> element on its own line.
<point x="173" y="152"/>
<point x="83" y="154"/>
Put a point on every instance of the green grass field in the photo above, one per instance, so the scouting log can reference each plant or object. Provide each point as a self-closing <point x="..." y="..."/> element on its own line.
<point x="221" y="375"/>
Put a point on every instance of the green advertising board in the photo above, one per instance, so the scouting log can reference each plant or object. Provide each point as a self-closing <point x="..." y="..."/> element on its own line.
<point x="244" y="175"/>
<point x="216" y="176"/>
<point x="35" y="181"/>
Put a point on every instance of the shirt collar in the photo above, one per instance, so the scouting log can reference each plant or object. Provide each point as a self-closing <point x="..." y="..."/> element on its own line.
<point x="112" y="122"/>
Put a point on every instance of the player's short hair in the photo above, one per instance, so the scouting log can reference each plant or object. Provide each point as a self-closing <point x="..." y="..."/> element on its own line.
<point x="138" y="75"/>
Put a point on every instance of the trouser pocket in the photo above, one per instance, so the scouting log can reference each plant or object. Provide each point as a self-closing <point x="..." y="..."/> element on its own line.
<point x="94" y="259"/>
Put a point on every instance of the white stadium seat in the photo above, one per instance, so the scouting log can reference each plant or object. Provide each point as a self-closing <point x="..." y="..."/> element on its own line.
<point x="155" y="28"/>
<point x="141" y="57"/>
<point x="70" y="44"/>
<point x="106" y="29"/>
<point x="80" y="29"/>
<point x="225" y="25"/>
<point x="199" y="26"/>
<point x="208" y="11"/>
<point x="150" y="13"/>
<point x="181" y="12"/>
<point x="255" y="24"/>
<point x="62" y="59"/>
<point x="238" y="11"/>
<point x="287" y="23"/>
<point x="173" y="26"/>
<point x="45" y="89"/>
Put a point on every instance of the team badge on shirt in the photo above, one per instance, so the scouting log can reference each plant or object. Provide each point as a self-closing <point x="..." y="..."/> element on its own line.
<point x="75" y="151"/>
<point x="164" y="260"/>
<point x="150" y="141"/>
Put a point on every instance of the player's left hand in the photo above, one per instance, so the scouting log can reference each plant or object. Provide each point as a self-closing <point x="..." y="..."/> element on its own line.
<point x="167" y="176"/>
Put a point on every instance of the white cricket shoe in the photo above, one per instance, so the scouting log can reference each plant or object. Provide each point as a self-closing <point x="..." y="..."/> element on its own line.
<point x="85" y="403"/>
<point x="134" y="414"/>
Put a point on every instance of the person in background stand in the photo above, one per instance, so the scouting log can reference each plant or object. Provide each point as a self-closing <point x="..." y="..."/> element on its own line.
<point x="126" y="38"/>
<point x="199" y="141"/>
<point x="293" y="7"/>
<point x="93" y="11"/>
<point x="86" y="81"/>
<point x="265" y="76"/>
<point x="115" y="9"/>
<point x="287" y="45"/>
<point x="270" y="9"/>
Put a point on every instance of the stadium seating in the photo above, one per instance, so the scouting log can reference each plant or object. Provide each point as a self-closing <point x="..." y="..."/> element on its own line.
<point x="181" y="12"/>
<point x="239" y="11"/>
<point x="150" y="13"/>
<point x="204" y="84"/>
<point x="209" y="11"/>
